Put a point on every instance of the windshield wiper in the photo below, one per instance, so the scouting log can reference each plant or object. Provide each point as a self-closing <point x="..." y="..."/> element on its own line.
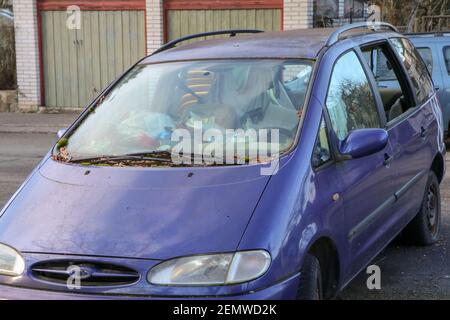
<point x="156" y="156"/>
<point x="160" y="156"/>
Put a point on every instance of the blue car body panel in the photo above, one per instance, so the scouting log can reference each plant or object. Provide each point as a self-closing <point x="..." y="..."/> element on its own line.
<point x="155" y="213"/>
<point x="140" y="216"/>
<point x="441" y="76"/>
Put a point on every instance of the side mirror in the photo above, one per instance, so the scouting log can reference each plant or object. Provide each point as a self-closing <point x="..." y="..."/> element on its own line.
<point x="364" y="142"/>
<point x="61" y="133"/>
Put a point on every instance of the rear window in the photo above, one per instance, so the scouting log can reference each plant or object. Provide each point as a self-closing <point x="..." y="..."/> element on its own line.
<point x="417" y="71"/>
<point x="447" y="58"/>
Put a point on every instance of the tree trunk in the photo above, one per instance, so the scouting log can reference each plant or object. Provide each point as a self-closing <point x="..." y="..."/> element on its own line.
<point x="412" y="18"/>
<point x="5" y="3"/>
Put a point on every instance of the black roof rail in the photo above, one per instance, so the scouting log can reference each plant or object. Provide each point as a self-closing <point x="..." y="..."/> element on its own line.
<point x="374" y="26"/>
<point x="232" y="33"/>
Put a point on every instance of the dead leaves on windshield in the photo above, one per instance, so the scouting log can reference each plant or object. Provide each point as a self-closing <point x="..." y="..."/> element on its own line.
<point x="62" y="155"/>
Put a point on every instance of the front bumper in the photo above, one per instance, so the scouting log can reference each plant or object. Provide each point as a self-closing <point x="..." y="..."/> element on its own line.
<point x="285" y="290"/>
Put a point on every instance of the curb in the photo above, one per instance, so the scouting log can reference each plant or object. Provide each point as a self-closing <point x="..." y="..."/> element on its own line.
<point x="24" y="128"/>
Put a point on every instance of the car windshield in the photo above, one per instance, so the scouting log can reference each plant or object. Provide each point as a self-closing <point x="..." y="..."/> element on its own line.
<point x="149" y="107"/>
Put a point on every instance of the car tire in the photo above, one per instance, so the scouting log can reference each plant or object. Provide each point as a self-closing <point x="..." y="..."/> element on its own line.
<point x="310" y="285"/>
<point x="424" y="229"/>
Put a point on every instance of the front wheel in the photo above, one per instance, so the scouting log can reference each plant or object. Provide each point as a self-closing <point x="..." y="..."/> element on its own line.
<point x="424" y="229"/>
<point x="310" y="286"/>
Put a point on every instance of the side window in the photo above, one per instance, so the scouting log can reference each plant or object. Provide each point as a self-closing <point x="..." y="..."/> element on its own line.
<point x="322" y="153"/>
<point x="382" y="67"/>
<point x="447" y="58"/>
<point x="422" y="83"/>
<point x="390" y="84"/>
<point x="427" y="57"/>
<point x="350" y="101"/>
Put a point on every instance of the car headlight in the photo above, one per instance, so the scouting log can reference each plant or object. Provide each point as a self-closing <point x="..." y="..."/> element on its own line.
<point x="215" y="269"/>
<point x="11" y="262"/>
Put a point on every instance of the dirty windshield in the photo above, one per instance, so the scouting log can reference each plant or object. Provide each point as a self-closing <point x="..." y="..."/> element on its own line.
<point x="186" y="106"/>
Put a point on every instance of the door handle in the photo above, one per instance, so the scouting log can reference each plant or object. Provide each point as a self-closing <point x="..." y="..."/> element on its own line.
<point x="387" y="159"/>
<point x="437" y="88"/>
<point x="423" y="132"/>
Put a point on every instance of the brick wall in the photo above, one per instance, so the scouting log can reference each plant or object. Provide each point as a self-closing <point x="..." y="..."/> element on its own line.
<point x="155" y="24"/>
<point x="298" y="14"/>
<point x="27" y="54"/>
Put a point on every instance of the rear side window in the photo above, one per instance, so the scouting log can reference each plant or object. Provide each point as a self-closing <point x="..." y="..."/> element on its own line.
<point x="427" y="57"/>
<point x="447" y="58"/>
<point x="390" y="81"/>
<point x="350" y="101"/>
<point x="422" y="83"/>
<point x="382" y="67"/>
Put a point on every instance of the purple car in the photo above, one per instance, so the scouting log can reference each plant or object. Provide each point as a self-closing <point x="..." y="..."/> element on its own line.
<point x="327" y="166"/>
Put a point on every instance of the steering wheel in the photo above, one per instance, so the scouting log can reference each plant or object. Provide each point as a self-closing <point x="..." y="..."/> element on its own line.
<point x="186" y="89"/>
<point x="225" y="116"/>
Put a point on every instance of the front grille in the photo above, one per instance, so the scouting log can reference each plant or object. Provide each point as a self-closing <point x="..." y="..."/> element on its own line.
<point x="87" y="272"/>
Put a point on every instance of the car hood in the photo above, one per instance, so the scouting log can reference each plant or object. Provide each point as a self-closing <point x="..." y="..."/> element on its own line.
<point x="132" y="212"/>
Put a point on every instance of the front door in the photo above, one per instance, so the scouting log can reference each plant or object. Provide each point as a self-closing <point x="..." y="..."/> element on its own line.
<point x="367" y="183"/>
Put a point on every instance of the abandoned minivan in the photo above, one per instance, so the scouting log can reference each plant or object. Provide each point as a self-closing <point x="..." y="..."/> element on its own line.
<point x="262" y="165"/>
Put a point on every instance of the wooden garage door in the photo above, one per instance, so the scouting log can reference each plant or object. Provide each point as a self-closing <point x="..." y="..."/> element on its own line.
<point x="78" y="64"/>
<point x="194" y="16"/>
<point x="183" y="22"/>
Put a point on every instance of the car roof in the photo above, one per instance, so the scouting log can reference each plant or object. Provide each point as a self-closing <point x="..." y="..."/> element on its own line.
<point x="429" y="36"/>
<point x="292" y="44"/>
<point x="304" y="43"/>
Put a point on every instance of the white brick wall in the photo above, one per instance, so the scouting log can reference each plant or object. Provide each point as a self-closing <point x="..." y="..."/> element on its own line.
<point x="298" y="14"/>
<point x="341" y="8"/>
<point x="155" y="24"/>
<point x="27" y="54"/>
